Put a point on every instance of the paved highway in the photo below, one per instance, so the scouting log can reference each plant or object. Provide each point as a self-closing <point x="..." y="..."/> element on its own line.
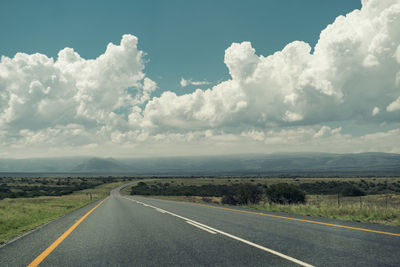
<point x="136" y="231"/>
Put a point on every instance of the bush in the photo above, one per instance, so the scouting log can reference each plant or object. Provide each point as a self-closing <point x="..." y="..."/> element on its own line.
<point x="352" y="191"/>
<point x="248" y="194"/>
<point x="142" y="184"/>
<point x="285" y="194"/>
<point x="229" y="199"/>
<point x="206" y="199"/>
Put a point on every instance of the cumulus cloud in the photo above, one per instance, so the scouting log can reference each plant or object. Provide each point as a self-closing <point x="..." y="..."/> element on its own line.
<point x="41" y="96"/>
<point x="280" y="102"/>
<point x="255" y="135"/>
<point x="353" y="69"/>
<point x="291" y="116"/>
<point x="185" y="82"/>
<point x="395" y="105"/>
<point x="375" y="111"/>
<point x="327" y="131"/>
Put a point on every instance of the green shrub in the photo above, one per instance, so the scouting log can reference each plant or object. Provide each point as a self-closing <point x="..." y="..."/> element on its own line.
<point x="229" y="199"/>
<point x="352" y="191"/>
<point x="206" y="199"/>
<point x="248" y="194"/>
<point x="284" y="193"/>
<point x="142" y="184"/>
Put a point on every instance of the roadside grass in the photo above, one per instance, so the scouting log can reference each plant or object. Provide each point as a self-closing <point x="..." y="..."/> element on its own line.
<point x="314" y="185"/>
<point x="127" y="190"/>
<point x="193" y="199"/>
<point x="18" y="215"/>
<point x="382" y="206"/>
<point x="265" y="180"/>
<point x="371" y="208"/>
<point x="18" y="187"/>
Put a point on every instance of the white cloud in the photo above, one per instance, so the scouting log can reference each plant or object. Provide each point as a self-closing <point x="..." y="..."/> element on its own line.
<point x="276" y="103"/>
<point x="397" y="54"/>
<point x="375" y="111"/>
<point x="326" y="131"/>
<point x="201" y="109"/>
<point x="394" y="106"/>
<point x="351" y="71"/>
<point x="41" y="96"/>
<point x="291" y="116"/>
<point x="185" y="82"/>
<point x="255" y="135"/>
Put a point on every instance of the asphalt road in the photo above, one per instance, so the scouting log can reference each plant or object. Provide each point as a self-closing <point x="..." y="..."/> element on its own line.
<point x="136" y="231"/>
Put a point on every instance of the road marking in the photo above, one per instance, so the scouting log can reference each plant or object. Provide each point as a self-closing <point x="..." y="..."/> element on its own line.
<point x="290" y="218"/>
<point x="201" y="227"/>
<point x="160" y="210"/>
<point x="46" y="253"/>
<point x="296" y="219"/>
<point x="228" y="235"/>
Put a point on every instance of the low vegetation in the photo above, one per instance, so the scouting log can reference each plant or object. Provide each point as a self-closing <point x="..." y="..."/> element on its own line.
<point x="374" y="200"/>
<point x="383" y="209"/>
<point x="353" y="187"/>
<point x="16" y="187"/>
<point x="18" y="215"/>
<point x="312" y="186"/>
<point x="231" y="194"/>
<point x="26" y="203"/>
<point x="285" y="194"/>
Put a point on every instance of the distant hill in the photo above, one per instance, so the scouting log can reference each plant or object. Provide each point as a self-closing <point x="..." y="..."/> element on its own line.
<point x="101" y="165"/>
<point x="274" y="164"/>
<point x="40" y="164"/>
<point x="302" y="164"/>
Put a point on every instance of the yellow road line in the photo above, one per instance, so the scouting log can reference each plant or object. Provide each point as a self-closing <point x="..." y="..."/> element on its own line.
<point x="45" y="253"/>
<point x="295" y="219"/>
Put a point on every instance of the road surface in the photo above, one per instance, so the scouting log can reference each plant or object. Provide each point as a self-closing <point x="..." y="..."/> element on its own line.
<point x="137" y="231"/>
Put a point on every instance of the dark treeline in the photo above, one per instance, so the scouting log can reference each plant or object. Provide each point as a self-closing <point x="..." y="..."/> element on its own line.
<point x="167" y="189"/>
<point x="283" y="193"/>
<point x="234" y="194"/>
<point x="45" y="186"/>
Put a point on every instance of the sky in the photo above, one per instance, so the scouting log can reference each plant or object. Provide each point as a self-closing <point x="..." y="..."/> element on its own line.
<point x="162" y="78"/>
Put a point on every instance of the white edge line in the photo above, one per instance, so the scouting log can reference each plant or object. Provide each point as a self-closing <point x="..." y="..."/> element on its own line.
<point x="201" y="227"/>
<point x="231" y="236"/>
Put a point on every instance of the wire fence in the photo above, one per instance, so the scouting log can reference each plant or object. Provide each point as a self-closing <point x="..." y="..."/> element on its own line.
<point x="385" y="201"/>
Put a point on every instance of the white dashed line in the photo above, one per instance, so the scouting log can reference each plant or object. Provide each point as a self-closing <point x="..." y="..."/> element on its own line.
<point x="201" y="227"/>
<point x="160" y="210"/>
<point x="214" y="231"/>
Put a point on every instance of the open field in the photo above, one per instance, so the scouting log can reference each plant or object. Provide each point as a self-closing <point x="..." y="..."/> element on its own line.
<point x="380" y="204"/>
<point x="234" y="179"/>
<point x="15" y="187"/>
<point x="372" y="209"/>
<point x="312" y="186"/>
<point x="369" y="208"/>
<point x="18" y="215"/>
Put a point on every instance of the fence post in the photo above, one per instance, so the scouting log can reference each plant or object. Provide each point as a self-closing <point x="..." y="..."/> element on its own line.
<point x="360" y="202"/>
<point x="386" y="201"/>
<point x="338" y="200"/>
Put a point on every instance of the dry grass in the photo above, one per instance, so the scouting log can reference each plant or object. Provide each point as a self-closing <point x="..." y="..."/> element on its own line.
<point x="383" y="208"/>
<point x="263" y="180"/>
<point x="371" y="208"/>
<point x="18" y="215"/>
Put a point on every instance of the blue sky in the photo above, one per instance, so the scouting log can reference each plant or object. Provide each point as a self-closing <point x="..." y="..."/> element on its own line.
<point x="182" y="38"/>
<point x="145" y="78"/>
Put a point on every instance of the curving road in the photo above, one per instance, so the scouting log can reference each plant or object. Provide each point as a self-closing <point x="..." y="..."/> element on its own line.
<point x="136" y="231"/>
